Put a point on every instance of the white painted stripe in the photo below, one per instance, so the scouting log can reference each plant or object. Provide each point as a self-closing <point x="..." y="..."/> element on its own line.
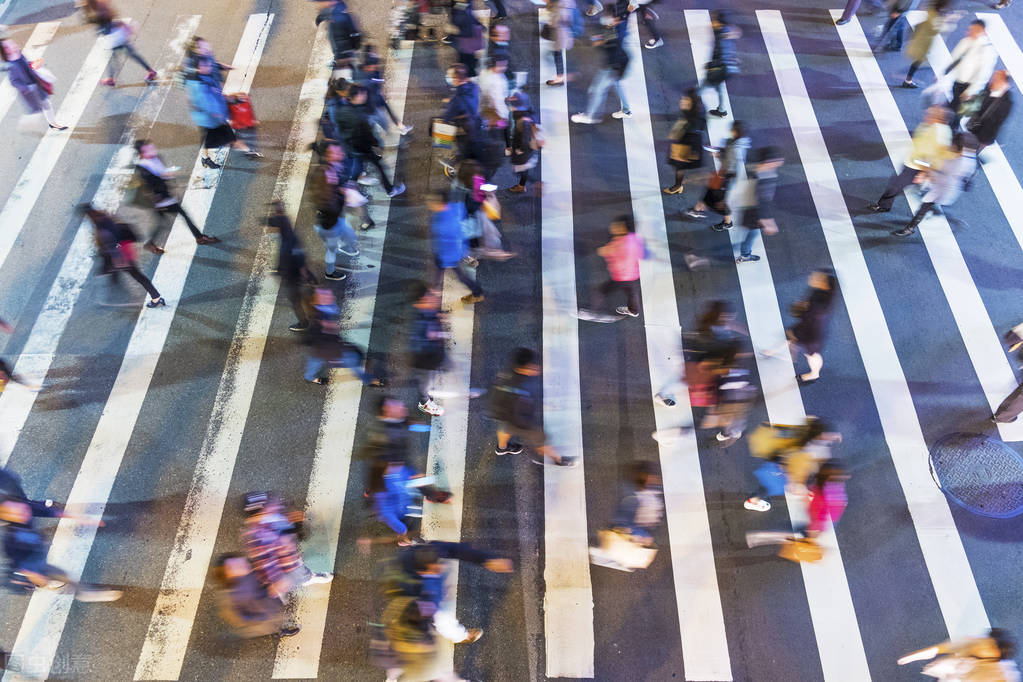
<point x="3" y="6"/>
<point x="173" y="615"/>
<point x="697" y="597"/>
<point x="1001" y="38"/>
<point x="568" y="599"/>
<point x="982" y="342"/>
<point x="40" y="348"/>
<point x="30" y="184"/>
<point x="34" y="49"/>
<point x="47" y="612"/>
<point x="939" y="540"/>
<point x="299" y="656"/>
<point x="839" y="644"/>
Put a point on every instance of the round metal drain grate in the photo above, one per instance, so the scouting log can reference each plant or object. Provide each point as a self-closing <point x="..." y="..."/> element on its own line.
<point x="981" y="474"/>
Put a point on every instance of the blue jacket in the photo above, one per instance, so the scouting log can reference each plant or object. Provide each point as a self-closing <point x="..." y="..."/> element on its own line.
<point x="391" y="504"/>
<point x="464" y="105"/>
<point x="448" y="239"/>
<point x="209" y="109"/>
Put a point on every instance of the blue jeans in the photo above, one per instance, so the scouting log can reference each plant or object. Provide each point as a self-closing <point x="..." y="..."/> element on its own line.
<point x="746" y="248"/>
<point x="315" y="365"/>
<point x="340" y="232"/>
<point x="604" y="79"/>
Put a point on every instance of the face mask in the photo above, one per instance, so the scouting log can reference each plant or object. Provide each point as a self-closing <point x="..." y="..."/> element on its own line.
<point x="450" y="81"/>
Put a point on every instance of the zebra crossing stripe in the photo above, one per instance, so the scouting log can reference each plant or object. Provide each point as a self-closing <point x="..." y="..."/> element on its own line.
<point x="29" y="186"/>
<point x="40" y="349"/>
<point x="299" y="656"/>
<point x="697" y="596"/>
<point x="982" y="343"/>
<point x="568" y="599"/>
<point x="939" y="540"/>
<point x="837" y="632"/>
<point x="34" y="49"/>
<point x="47" y="611"/>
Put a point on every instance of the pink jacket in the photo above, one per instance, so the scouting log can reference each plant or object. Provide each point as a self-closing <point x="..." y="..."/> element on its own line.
<point x="826" y="502"/>
<point x="622" y="255"/>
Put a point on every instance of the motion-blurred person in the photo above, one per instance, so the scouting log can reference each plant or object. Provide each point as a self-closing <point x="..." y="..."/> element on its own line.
<point x="724" y="59"/>
<point x="271" y="546"/>
<point x="364" y="144"/>
<point x="943" y="186"/>
<point x="470" y="37"/>
<point x="33" y="89"/>
<point x="331" y="225"/>
<point x="493" y="83"/>
<point x="972" y="62"/>
<point x="428" y="345"/>
<point x="376" y="101"/>
<point x="326" y="349"/>
<point x="154" y="176"/>
<point x="517" y="406"/>
<point x="971" y="659"/>
<point x="561" y="32"/>
<point x="814" y="313"/>
<point x="242" y="119"/>
<point x="940" y="19"/>
<point x="524" y="140"/>
<point x="628" y="543"/>
<point x="449" y="245"/>
<point x="760" y="216"/>
<point x="209" y="111"/>
<point x="995" y="106"/>
<point x="26" y="551"/>
<point x="343" y="32"/>
<point x="850" y="10"/>
<point x="931" y="140"/>
<point x="735" y="395"/>
<point x="291" y="265"/>
<point x="827" y="497"/>
<point x="7" y="374"/>
<point x="397" y="492"/>
<point x="615" y="62"/>
<point x="648" y="18"/>
<point x="732" y="157"/>
<point x="118" y="34"/>
<point x="792" y="454"/>
<point x="115" y="243"/>
<point x="244" y="603"/>
<point x="462" y="110"/>
<point x="622" y="255"/>
<point x="893" y="33"/>
<point x="387" y="439"/>
<point x="685" y="148"/>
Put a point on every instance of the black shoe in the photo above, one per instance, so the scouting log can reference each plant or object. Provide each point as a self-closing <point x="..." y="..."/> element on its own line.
<point x="511" y="448"/>
<point x="335" y="276"/>
<point x="805" y="382"/>
<point x="58" y="127"/>
<point x="289" y="631"/>
<point x="841" y="22"/>
<point x="904" y="232"/>
<point x="721" y="227"/>
<point x="878" y="208"/>
<point x="156" y="303"/>
<point x="719" y="112"/>
<point x="747" y="259"/>
<point x="210" y="163"/>
<point x="909" y="84"/>
<point x="299" y="327"/>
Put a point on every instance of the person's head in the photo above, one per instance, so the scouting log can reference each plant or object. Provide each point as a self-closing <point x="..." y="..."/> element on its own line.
<point x="15" y="511"/>
<point x="622" y="224"/>
<point x="357" y="94"/>
<point x="423" y="297"/>
<point x="936" y="114"/>
<point x="456" y="75"/>
<point x="323" y="296"/>
<point x="277" y="207"/>
<point x="690" y="101"/>
<point x="975" y="29"/>
<point x="202" y="46"/>
<point x="204" y="65"/>
<point x="333" y="153"/>
<point x="816" y="428"/>
<point x="370" y="59"/>
<point x="830" y="471"/>
<point x="9" y="49"/>
<point x="1005" y="642"/>
<point x="145" y="149"/>
<point x="718" y="18"/>
<point x="519" y="102"/>
<point x="230" y="568"/>
<point x="500" y="34"/>
<point x="526" y="361"/>
<point x="716" y="313"/>
<point x="437" y="200"/>
<point x="391" y="407"/>
<point x="942" y="5"/>
<point x="643" y="473"/>
<point x="1000" y="79"/>
<point x="823" y="278"/>
<point x="428" y="561"/>
<point x="500" y="65"/>
<point x="738" y="130"/>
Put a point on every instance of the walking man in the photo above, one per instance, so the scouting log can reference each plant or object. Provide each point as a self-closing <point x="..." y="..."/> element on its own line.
<point x="973" y="62"/>
<point x="760" y="216"/>
<point x="154" y="176"/>
<point x="930" y="142"/>
<point x="616" y="60"/>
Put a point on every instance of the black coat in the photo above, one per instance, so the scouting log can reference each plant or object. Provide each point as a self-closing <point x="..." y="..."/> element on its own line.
<point x="813" y="313"/>
<point x="988" y="119"/>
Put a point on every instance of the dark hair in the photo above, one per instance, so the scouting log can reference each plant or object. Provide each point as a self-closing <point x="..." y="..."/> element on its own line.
<point x="739" y="127"/>
<point x="814" y="428"/>
<point x="220" y="567"/>
<point x="139" y="144"/>
<point x="461" y="73"/>
<point x="712" y="315"/>
<point x="375" y="479"/>
<point x="1006" y="642"/>
<point x="424" y="556"/>
<point x="829" y="471"/>
<point x="642" y="470"/>
<point x="524" y="356"/>
<point x="416" y="290"/>
<point x="978" y="22"/>
<point x="3" y="50"/>
<point x="626" y="219"/>
<point x="355" y="90"/>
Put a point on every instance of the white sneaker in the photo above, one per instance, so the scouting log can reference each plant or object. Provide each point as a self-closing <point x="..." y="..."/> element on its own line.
<point x="404" y="129"/>
<point x="348" y="251"/>
<point x="651" y="44"/>
<point x="583" y="118"/>
<point x="431" y="408"/>
<point x="595" y="9"/>
<point x="624" y="310"/>
<point x="622" y="114"/>
<point x="319" y="579"/>
<point x="758" y="505"/>
<point x="368" y="180"/>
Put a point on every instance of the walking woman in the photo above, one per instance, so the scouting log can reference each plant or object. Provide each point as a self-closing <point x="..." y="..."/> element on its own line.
<point x="116" y="244"/>
<point x="119" y="36"/>
<point x="34" y="91"/>
<point x="559" y="30"/>
<point x="523" y="139"/>
<point x="813" y="313"/>
<point x="733" y="157"/>
<point x="940" y="19"/>
<point x="209" y="112"/>
<point x="724" y="60"/>
<point x="153" y="175"/>
<point x="686" y="137"/>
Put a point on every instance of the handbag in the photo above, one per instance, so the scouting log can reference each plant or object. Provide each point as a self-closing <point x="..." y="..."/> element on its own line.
<point x="43" y="77"/>
<point x="547" y="32"/>
<point x="444" y="134"/>
<point x="716" y="181"/>
<point x="801" y="550"/>
<point x="681" y="152"/>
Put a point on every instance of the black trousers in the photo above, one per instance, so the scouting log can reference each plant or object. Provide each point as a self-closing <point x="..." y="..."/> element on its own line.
<point x="899" y="182"/>
<point x="958" y="89"/>
<point x="630" y="288"/>
<point x="165" y="218"/>
<point x="919" y="215"/>
<point x="293" y="290"/>
<point x="133" y="272"/>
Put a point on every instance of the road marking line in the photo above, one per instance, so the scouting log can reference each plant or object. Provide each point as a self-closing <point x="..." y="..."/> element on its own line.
<point x="174" y="613"/>
<point x="34" y="49"/>
<point x="697" y="597"/>
<point x="30" y="184"/>
<point x="41" y="347"/>
<point x="47" y="612"/>
<point x="836" y="629"/>
<point x="299" y="656"/>
<point x="568" y="599"/>
<point x="939" y="539"/>
<point x="982" y="343"/>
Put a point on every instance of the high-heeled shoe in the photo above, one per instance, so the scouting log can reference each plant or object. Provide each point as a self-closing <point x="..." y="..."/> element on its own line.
<point x="54" y="126"/>
<point x="156" y="303"/>
<point x="210" y="163"/>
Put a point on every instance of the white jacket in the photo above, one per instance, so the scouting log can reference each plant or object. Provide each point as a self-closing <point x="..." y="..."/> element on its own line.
<point x="977" y="60"/>
<point x="493" y="92"/>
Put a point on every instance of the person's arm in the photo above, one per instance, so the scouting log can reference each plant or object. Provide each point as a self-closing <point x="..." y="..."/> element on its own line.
<point x="463" y="551"/>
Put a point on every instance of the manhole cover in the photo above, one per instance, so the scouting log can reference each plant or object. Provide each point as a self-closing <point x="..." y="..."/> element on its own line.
<point x="979" y="473"/>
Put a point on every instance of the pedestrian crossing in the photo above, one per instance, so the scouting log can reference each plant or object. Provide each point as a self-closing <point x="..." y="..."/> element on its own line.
<point x="711" y="637"/>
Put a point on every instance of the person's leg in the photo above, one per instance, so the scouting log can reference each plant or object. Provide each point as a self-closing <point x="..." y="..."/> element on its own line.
<point x="815" y="361"/>
<point x="112" y="66"/>
<point x="424" y="379"/>
<point x="632" y="295"/>
<point x="899" y="182"/>
<point x="175" y="209"/>
<point x="598" y="90"/>
<point x="621" y="95"/>
<point x="354" y="361"/>
<point x="850" y="10"/>
<point x="746" y="248"/>
<point x="1010" y="408"/>
<point x="130" y="50"/>
<point x="920" y="214"/>
<point x="313" y="366"/>
<point x="378" y="162"/>
<point x="649" y="19"/>
<point x="330" y="242"/>
<point x="134" y="273"/>
<point x="346" y="235"/>
<point x="912" y="70"/>
<point x="474" y="287"/>
<point x="294" y="294"/>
